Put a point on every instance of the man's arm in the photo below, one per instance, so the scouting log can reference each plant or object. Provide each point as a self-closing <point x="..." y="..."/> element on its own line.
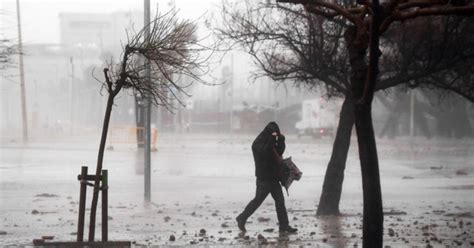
<point x="277" y="157"/>
<point x="281" y="144"/>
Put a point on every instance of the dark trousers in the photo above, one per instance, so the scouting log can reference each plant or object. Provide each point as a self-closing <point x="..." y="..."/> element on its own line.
<point x="263" y="189"/>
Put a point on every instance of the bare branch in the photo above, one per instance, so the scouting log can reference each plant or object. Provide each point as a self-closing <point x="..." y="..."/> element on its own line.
<point x="437" y="10"/>
<point x="288" y="44"/>
<point x="174" y="52"/>
<point x="419" y="8"/>
<point x="340" y="10"/>
<point x="6" y="51"/>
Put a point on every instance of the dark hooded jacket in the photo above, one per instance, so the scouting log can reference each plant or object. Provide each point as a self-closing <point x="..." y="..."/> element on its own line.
<point x="267" y="153"/>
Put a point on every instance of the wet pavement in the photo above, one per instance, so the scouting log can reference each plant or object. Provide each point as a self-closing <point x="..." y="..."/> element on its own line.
<point x="200" y="183"/>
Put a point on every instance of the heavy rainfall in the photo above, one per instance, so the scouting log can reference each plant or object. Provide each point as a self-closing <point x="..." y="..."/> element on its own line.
<point x="152" y="123"/>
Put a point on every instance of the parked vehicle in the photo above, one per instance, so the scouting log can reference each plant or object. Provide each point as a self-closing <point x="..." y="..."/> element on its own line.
<point x="319" y="117"/>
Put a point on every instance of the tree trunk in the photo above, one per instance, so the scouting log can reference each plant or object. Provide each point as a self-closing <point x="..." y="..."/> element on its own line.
<point x="334" y="177"/>
<point x="100" y="158"/>
<point x="363" y="84"/>
<point x="372" y="193"/>
<point x="369" y="163"/>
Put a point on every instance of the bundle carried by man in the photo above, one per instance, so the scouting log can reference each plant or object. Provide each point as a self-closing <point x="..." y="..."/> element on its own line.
<point x="289" y="172"/>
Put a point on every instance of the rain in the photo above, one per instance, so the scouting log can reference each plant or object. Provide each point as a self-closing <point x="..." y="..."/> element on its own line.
<point x="385" y="145"/>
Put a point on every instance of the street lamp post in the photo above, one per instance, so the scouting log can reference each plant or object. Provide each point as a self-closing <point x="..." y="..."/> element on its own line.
<point x="147" y="171"/>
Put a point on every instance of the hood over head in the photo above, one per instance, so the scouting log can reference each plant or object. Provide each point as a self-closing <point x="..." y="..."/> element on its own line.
<point x="271" y="127"/>
<point x="264" y="140"/>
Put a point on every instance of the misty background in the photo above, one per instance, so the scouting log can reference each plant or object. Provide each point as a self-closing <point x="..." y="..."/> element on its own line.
<point x="202" y="162"/>
<point x="66" y="44"/>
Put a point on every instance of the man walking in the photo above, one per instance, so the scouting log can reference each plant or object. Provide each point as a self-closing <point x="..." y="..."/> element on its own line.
<point x="267" y="151"/>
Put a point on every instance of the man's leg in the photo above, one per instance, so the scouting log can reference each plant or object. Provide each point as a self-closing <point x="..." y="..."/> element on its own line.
<point x="279" y="199"/>
<point x="263" y="189"/>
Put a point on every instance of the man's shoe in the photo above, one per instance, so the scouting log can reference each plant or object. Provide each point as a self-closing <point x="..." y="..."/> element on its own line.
<point x="241" y="224"/>
<point x="288" y="229"/>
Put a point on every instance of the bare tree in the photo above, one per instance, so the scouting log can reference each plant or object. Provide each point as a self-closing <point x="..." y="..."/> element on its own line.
<point x="368" y="20"/>
<point x="172" y="49"/>
<point x="285" y="49"/>
<point x="290" y="44"/>
<point x="440" y="49"/>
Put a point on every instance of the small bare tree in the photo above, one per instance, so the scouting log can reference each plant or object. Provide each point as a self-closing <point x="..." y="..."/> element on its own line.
<point x="6" y="51"/>
<point x="171" y="48"/>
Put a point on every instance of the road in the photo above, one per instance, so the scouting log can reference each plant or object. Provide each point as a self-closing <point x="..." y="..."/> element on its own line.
<point x="202" y="182"/>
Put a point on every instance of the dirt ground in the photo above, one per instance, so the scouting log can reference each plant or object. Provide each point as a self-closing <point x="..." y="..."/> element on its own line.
<point x="200" y="183"/>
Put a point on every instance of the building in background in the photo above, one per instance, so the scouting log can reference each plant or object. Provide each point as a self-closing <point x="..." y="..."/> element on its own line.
<point x="63" y="97"/>
<point x="106" y="31"/>
<point x="245" y="105"/>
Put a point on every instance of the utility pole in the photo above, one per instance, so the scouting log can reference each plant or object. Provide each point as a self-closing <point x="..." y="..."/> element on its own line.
<point x="231" y="93"/>
<point x="71" y="103"/>
<point x="147" y="171"/>
<point x="412" y="112"/>
<point x="22" y="76"/>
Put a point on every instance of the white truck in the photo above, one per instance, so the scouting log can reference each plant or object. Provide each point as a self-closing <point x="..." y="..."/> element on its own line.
<point x="319" y="117"/>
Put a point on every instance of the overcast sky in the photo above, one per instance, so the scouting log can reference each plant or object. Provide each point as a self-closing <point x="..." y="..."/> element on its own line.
<point x="40" y="18"/>
<point x="40" y="21"/>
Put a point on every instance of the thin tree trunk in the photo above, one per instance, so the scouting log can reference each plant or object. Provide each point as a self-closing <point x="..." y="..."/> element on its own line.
<point x="334" y="177"/>
<point x="372" y="194"/>
<point x="363" y="97"/>
<point x="100" y="158"/>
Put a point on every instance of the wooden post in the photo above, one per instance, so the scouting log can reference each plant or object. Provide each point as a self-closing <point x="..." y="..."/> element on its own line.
<point x="82" y="204"/>
<point x="105" y="187"/>
<point x="84" y="178"/>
